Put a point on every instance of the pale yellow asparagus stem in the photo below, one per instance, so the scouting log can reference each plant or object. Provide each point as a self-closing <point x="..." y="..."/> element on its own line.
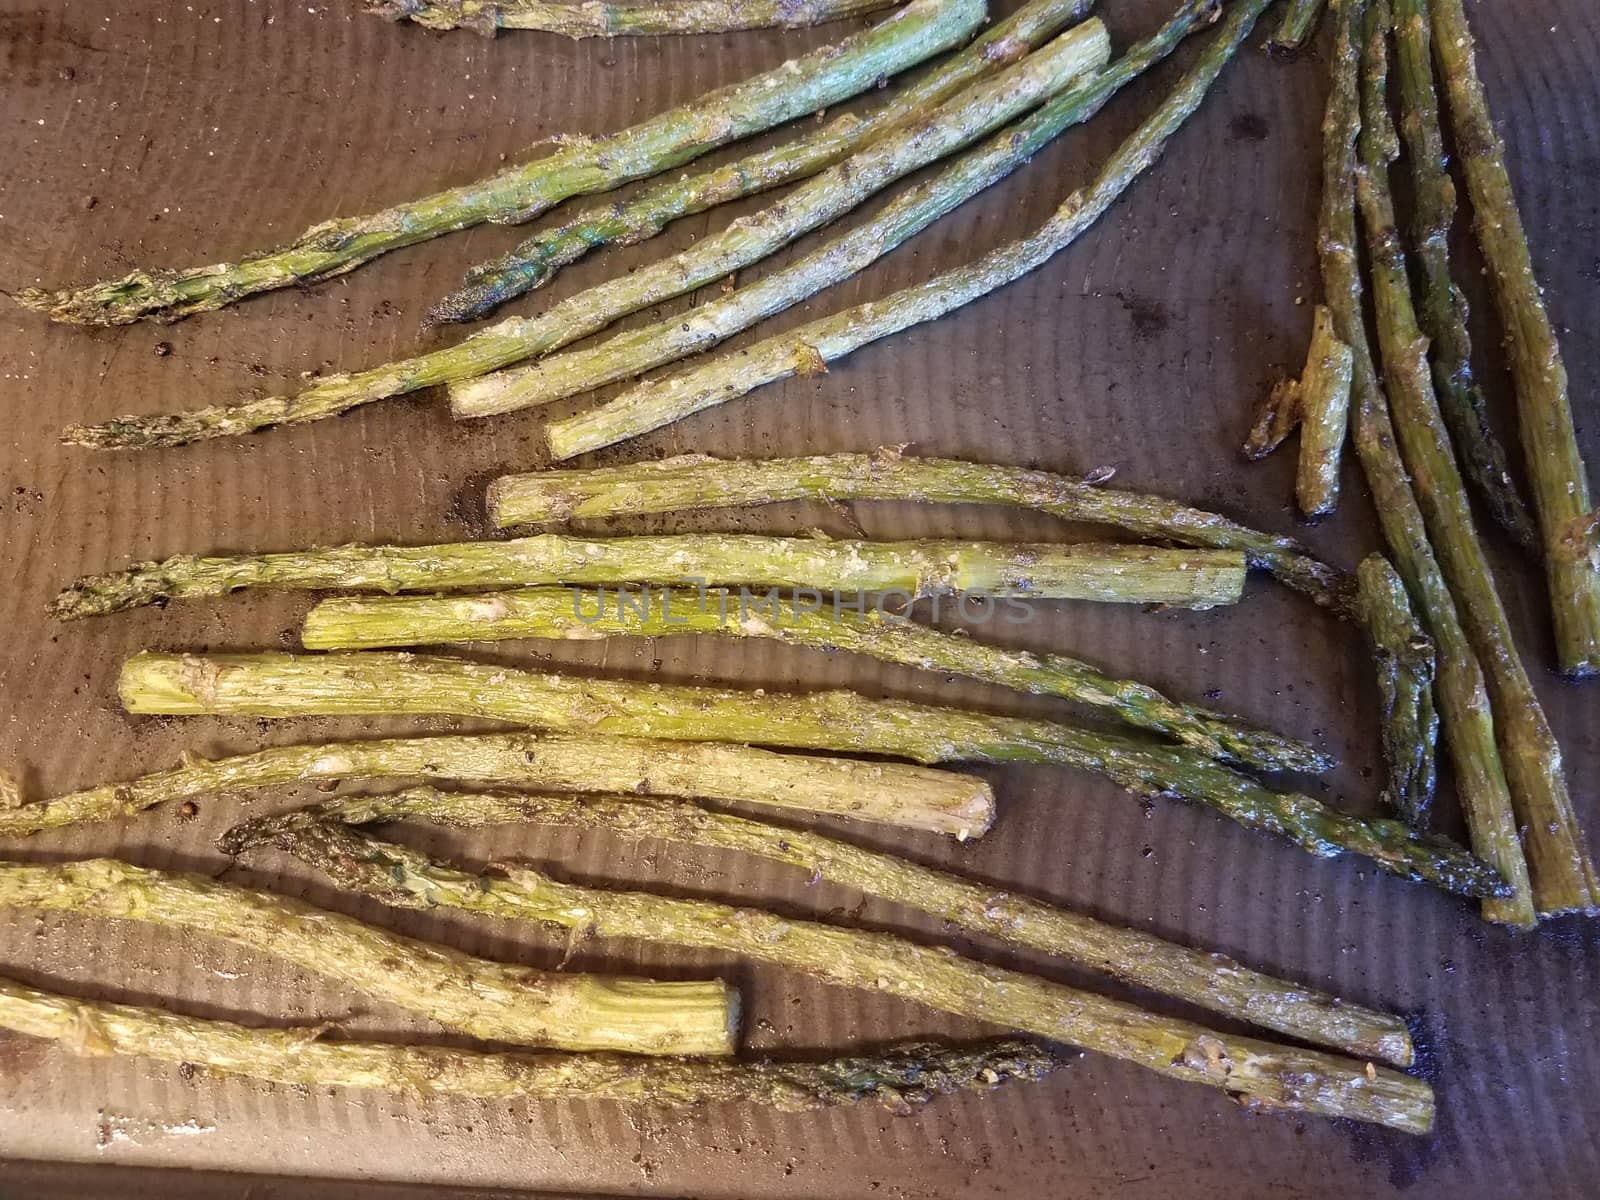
<point x="1119" y="574"/>
<point x="1324" y="403"/>
<point x="910" y="797"/>
<point x="806" y="620"/>
<point x="489" y="1000"/>
<point x="1258" y="1073"/>
<point x="1211" y="981"/>
<point x="374" y="683"/>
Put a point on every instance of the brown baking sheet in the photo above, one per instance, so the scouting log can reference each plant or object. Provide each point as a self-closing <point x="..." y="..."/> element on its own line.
<point x="173" y="133"/>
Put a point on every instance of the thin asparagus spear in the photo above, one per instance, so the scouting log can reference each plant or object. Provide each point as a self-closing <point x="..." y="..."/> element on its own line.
<point x="1298" y="27"/>
<point x="536" y="261"/>
<point x="1406" y="669"/>
<point x="636" y="350"/>
<point x="1563" y="876"/>
<point x="889" y="793"/>
<point x="811" y="347"/>
<point x="1260" y="1073"/>
<point x="902" y="1077"/>
<point x="1122" y="574"/>
<point x="1463" y="700"/>
<point x="1549" y="442"/>
<point x="965" y="117"/>
<point x="368" y="623"/>
<point x="1211" y="981"/>
<point x="1277" y="416"/>
<point x="1324" y="402"/>
<point x="374" y="683"/>
<point x="697" y="481"/>
<point x="579" y="167"/>
<point x="489" y="1000"/>
<point x="599" y="18"/>
<point x="1442" y="309"/>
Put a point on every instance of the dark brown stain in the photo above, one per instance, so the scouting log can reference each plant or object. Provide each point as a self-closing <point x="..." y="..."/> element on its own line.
<point x="40" y="47"/>
<point x="1249" y="127"/>
<point x="1150" y="317"/>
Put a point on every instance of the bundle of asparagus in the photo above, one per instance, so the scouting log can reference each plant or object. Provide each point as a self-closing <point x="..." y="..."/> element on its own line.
<point x="1257" y="1073"/>
<point x="582" y="166"/>
<point x="600" y="18"/>
<point x="373" y="683"/>
<point x="902" y="1077"/>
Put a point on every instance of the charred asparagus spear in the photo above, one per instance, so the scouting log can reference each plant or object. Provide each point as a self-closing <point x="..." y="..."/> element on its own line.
<point x="283" y="685"/>
<point x="489" y="1000"/>
<point x="811" y="347"/>
<point x="1405" y="657"/>
<point x="903" y="1077"/>
<point x="889" y="793"/>
<point x="981" y="107"/>
<point x="1210" y="981"/>
<point x="368" y="623"/>
<point x="536" y="261"/>
<point x="1442" y="309"/>
<point x="1554" y="461"/>
<point x="697" y="481"/>
<point x="1463" y="699"/>
<point x="1261" y="1073"/>
<point x="672" y="338"/>
<point x="583" y="166"/>
<point x="600" y="18"/>
<point x="1564" y="878"/>
<point x="1085" y="571"/>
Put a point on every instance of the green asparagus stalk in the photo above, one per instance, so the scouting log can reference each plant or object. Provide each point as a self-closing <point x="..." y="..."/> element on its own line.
<point x="1406" y="669"/>
<point x="1210" y="981"/>
<point x="1324" y="403"/>
<point x="965" y="117"/>
<point x="1122" y="574"/>
<point x="374" y="683"/>
<point x="944" y="802"/>
<point x="1298" y="27"/>
<point x="489" y="1000"/>
<point x="599" y="18"/>
<point x="636" y="350"/>
<point x="1463" y="699"/>
<point x="1442" y="309"/>
<point x="578" y="167"/>
<point x="565" y="613"/>
<point x="903" y="1077"/>
<point x="1563" y="876"/>
<point x="1261" y="1073"/>
<point x="811" y="347"/>
<point x="697" y="481"/>
<point x="1276" y="417"/>
<point x="537" y="260"/>
<point x="1554" y="461"/>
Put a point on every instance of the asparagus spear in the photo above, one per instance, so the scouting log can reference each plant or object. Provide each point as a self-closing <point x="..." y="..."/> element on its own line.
<point x="1463" y="700"/>
<point x="579" y="167"/>
<point x="599" y="18"/>
<point x="285" y="685"/>
<point x="1085" y="571"/>
<point x="366" y="623"/>
<point x="1442" y="309"/>
<point x="488" y="1000"/>
<point x="903" y="1077"/>
<point x="962" y="119"/>
<point x="1260" y="1073"/>
<point x="1298" y="27"/>
<point x="811" y="347"/>
<point x="636" y="350"/>
<point x="1554" y="461"/>
<point x="1210" y="981"/>
<point x="536" y="261"/>
<point x="890" y="793"/>
<point x="1406" y="668"/>
<point x="697" y="481"/>
<point x="1563" y="876"/>
<point x="1324" y="401"/>
<point x="1277" y="416"/>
